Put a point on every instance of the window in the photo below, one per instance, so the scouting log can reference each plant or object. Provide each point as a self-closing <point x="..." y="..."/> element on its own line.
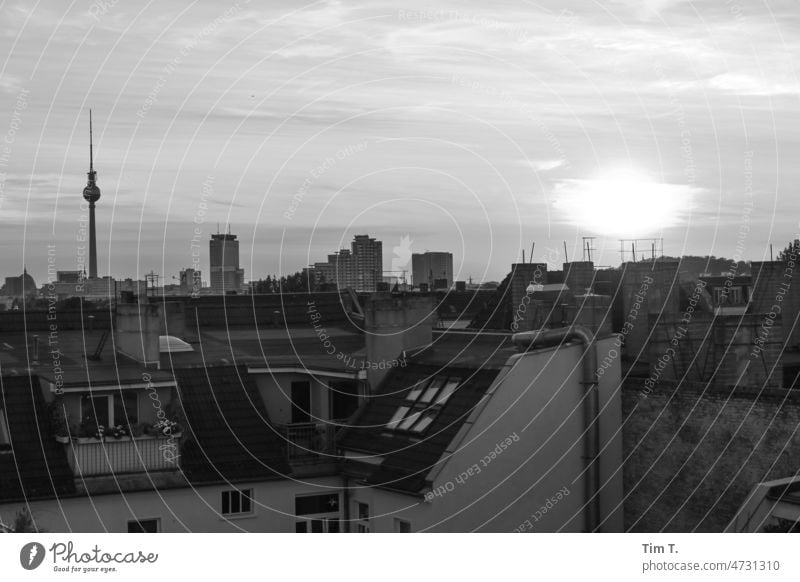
<point x="727" y="295"/>
<point x="317" y="513"/>
<point x="314" y="504"/>
<point x="344" y="399"/>
<point x="111" y="409"/>
<point x="5" y="437"/>
<point x="97" y="408"/>
<point x="402" y="526"/>
<point x="422" y="404"/>
<point x="144" y="526"/>
<point x="237" y="502"/>
<point x="318" y="525"/>
<point x="301" y="402"/>
<point x="126" y="408"/>
<point x="362" y="516"/>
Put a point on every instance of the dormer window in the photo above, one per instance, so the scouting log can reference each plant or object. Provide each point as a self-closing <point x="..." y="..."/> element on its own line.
<point x="109" y="410"/>
<point x="423" y="403"/>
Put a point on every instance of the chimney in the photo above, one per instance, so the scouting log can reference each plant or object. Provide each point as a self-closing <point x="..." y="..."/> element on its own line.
<point x="650" y="287"/>
<point x="136" y="331"/>
<point x="579" y="276"/>
<point x="394" y="324"/>
<point x="767" y="277"/>
<point x="173" y="318"/>
<point x="593" y="312"/>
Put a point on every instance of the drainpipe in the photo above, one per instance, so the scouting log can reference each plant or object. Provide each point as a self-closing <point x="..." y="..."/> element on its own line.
<point x="591" y="405"/>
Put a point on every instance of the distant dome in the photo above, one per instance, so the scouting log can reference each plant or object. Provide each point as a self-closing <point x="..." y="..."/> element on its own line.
<point x="20" y="286"/>
<point x="28" y="283"/>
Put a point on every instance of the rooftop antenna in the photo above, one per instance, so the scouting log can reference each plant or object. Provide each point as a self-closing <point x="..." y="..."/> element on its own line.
<point x="218" y="228"/>
<point x="523" y="256"/>
<point x="566" y="257"/>
<point x="633" y="250"/>
<point x="770" y="252"/>
<point x="588" y="247"/>
<point x="533" y="244"/>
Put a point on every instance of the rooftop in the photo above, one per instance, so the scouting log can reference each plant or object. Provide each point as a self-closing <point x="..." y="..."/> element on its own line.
<point x="403" y="430"/>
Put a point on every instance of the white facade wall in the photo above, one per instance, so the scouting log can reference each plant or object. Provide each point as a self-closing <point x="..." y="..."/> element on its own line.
<point x="179" y="510"/>
<point x="541" y="388"/>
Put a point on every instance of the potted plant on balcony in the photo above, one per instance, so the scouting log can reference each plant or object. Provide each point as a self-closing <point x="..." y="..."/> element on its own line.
<point x="90" y="428"/>
<point x="139" y="429"/>
<point x="59" y="423"/>
<point x="118" y="431"/>
<point x="165" y="427"/>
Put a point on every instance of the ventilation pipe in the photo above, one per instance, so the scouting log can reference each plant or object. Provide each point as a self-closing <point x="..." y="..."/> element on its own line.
<point x="591" y="405"/>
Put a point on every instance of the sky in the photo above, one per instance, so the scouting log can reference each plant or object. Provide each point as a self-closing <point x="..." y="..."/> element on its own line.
<point x="471" y="127"/>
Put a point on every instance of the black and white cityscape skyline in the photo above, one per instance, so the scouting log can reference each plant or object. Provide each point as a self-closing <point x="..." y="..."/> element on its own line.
<point x="305" y="125"/>
<point x="350" y="267"/>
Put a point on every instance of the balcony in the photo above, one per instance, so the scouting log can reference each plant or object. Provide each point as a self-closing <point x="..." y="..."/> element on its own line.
<point x="90" y="457"/>
<point x="308" y="442"/>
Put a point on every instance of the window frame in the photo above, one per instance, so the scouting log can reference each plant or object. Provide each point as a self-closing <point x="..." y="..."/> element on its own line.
<point x="399" y="523"/>
<point x="326" y="518"/>
<point x="112" y="399"/>
<point x="362" y="524"/>
<point x="249" y="493"/>
<point x="308" y="521"/>
<point x="423" y="410"/>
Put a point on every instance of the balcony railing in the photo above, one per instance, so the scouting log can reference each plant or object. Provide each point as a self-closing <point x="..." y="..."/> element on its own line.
<point x="92" y="457"/>
<point x="308" y="441"/>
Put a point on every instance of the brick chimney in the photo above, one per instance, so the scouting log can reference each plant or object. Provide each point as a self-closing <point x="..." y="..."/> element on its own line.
<point x="394" y="324"/>
<point x="579" y="276"/>
<point x="136" y="331"/>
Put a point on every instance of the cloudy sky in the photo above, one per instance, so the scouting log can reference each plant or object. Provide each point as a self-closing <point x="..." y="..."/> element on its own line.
<point x="477" y="128"/>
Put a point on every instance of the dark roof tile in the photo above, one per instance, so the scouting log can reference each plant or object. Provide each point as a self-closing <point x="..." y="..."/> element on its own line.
<point x="36" y="466"/>
<point x="229" y="434"/>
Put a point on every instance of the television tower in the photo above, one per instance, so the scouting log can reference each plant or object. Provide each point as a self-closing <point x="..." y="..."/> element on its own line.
<point x="92" y="194"/>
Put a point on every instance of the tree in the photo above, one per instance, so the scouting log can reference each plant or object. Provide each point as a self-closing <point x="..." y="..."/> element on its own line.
<point x="23" y="522"/>
<point x="790" y="252"/>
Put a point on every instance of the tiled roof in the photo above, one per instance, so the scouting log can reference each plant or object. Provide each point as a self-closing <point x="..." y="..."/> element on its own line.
<point x="229" y="435"/>
<point x="409" y="457"/>
<point x="36" y="466"/>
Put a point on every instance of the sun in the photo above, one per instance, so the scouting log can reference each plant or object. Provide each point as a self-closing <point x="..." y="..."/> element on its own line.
<point x="622" y="202"/>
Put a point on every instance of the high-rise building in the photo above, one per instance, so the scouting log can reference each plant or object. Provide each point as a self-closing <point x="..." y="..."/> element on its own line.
<point x="92" y="194"/>
<point x="434" y="269"/>
<point x="368" y="262"/>
<point x="223" y="252"/>
<point x="360" y="267"/>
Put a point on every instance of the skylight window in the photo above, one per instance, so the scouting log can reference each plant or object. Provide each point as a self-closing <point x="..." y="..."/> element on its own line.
<point x="399" y="415"/>
<point x="422" y="404"/>
<point x="434" y="387"/>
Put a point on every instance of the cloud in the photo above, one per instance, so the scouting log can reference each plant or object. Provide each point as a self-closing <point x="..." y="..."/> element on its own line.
<point x="543" y="165"/>
<point x="743" y="84"/>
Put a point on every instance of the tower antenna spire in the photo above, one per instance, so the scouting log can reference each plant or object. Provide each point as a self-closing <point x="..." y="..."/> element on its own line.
<point x="92" y="194"/>
<point x="91" y="151"/>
